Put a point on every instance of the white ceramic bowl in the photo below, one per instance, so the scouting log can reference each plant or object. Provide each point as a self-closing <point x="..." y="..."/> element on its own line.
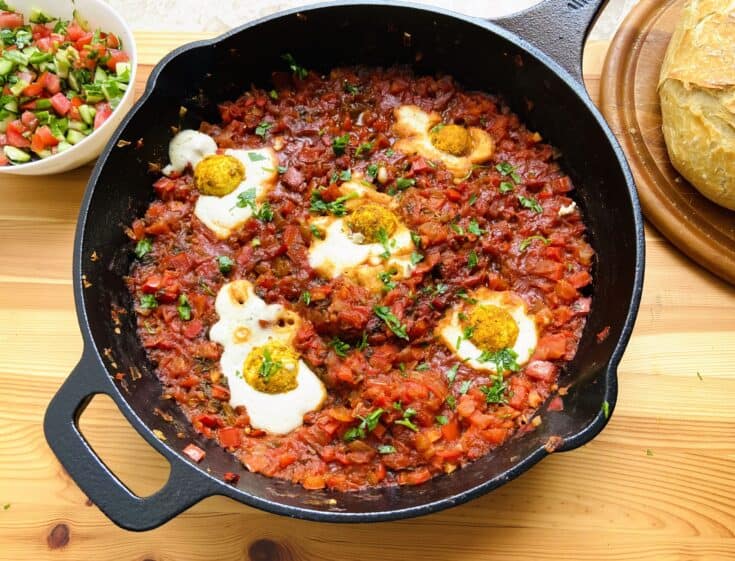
<point x="99" y="15"/>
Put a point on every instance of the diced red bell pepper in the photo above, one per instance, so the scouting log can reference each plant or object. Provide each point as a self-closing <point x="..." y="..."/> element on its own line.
<point x="230" y="437"/>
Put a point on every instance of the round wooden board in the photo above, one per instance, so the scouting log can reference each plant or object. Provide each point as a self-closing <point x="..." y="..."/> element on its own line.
<point x="629" y="100"/>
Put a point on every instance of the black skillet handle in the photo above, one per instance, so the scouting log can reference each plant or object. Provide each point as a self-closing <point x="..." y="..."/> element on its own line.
<point x="184" y="487"/>
<point x="558" y="27"/>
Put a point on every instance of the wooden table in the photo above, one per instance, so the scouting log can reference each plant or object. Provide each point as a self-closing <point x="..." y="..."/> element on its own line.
<point x="657" y="484"/>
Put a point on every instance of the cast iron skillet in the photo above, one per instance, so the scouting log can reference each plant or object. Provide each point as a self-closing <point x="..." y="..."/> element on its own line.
<point x="546" y="91"/>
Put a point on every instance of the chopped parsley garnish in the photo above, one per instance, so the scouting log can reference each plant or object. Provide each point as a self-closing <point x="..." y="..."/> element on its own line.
<point x="465" y="387"/>
<point x="403" y="183"/>
<point x="416" y="258"/>
<point x="386" y="449"/>
<point x="148" y="302"/>
<point x="440" y="288"/>
<point x="451" y="401"/>
<point x="406" y="420"/>
<point x="468" y="332"/>
<point x="336" y="207"/>
<point x="385" y="242"/>
<point x="505" y="168"/>
<point x="497" y="392"/>
<point x="184" y="308"/>
<point x="273" y="94"/>
<point x="506" y="187"/>
<point x="262" y="129"/>
<point x="457" y="228"/>
<point x="306" y="297"/>
<point x="143" y="248"/>
<point x="340" y="347"/>
<point x="473" y="199"/>
<point x="298" y="70"/>
<point x="527" y="242"/>
<point x="340" y="143"/>
<point x="315" y="232"/>
<point x="606" y="409"/>
<point x="372" y="170"/>
<point x="268" y="367"/>
<point x="474" y="228"/>
<point x="393" y="323"/>
<point x="345" y="175"/>
<point x="442" y="420"/>
<point x="225" y="264"/>
<point x="452" y="373"/>
<point x="385" y="278"/>
<point x="247" y="199"/>
<point x="422" y="367"/>
<point x="364" y="148"/>
<point x="255" y="157"/>
<point x="462" y="293"/>
<point x="282" y="169"/>
<point x="472" y="259"/>
<point x="504" y="359"/>
<point x="416" y="239"/>
<point x="363" y="342"/>
<point x="531" y="204"/>
<point x="367" y="424"/>
<point x="351" y="88"/>
<point x="390" y="152"/>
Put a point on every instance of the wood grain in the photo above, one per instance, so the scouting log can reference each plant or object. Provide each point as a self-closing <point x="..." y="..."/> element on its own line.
<point x="629" y="99"/>
<point x="657" y="484"/>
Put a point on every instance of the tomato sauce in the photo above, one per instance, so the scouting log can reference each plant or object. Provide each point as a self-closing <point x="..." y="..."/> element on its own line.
<point x="542" y="256"/>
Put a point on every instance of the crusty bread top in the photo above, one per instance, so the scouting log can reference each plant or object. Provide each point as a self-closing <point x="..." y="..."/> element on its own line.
<point x="702" y="49"/>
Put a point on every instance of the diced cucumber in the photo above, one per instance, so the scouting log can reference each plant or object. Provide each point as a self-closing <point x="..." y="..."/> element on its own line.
<point x="93" y="93"/>
<point x="39" y="57"/>
<point x="16" y="57"/>
<point x="87" y="112"/>
<point x="59" y="127"/>
<point x="110" y="90"/>
<point x="17" y="88"/>
<point x="62" y="65"/>
<point x="6" y="67"/>
<point x="78" y="125"/>
<point x="43" y="153"/>
<point x="16" y="155"/>
<point x="11" y="105"/>
<point x="99" y="75"/>
<point x="38" y="16"/>
<point x="5" y="119"/>
<point x="74" y="136"/>
<point x="123" y="69"/>
<point x="73" y="83"/>
<point x="63" y="146"/>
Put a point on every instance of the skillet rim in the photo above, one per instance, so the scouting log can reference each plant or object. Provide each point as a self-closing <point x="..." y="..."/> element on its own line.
<point x="218" y="487"/>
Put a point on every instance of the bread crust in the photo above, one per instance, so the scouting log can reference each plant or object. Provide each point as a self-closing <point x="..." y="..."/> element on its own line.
<point x="697" y="92"/>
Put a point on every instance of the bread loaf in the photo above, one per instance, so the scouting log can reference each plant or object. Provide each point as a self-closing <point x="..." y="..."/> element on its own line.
<point x="697" y="92"/>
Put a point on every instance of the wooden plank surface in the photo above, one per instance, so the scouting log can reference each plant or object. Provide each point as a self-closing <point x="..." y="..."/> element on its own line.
<point x="657" y="484"/>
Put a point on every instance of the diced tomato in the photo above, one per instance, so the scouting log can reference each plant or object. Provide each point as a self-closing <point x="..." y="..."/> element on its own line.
<point x="45" y="44"/>
<point x="51" y="82"/>
<point x="220" y="392"/>
<point x="450" y="431"/>
<point x="74" y="31"/>
<point x="77" y="101"/>
<point x="3" y="159"/>
<point x="415" y="477"/>
<point x="29" y="120"/>
<point x="551" y="347"/>
<point x="39" y="30"/>
<point x="193" y="328"/>
<point x="60" y="104"/>
<point x="9" y="20"/>
<point x="494" y="436"/>
<point x="580" y="279"/>
<point x="15" y="136"/>
<point x="112" y="41"/>
<point x="74" y="114"/>
<point x="194" y="452"/>
<point x="541" y="370"/>
<point x="115" y="57"/>
<point x="231" y="478"/>
<point x="85" y="39"/>
<point x="211" y="421"/>
<point x="37" y="144"/>
<point x="103" y="113"/>
<point x="230" y="437"/>
<point x="47" y="138"/>
<point x="33" y="90"/>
